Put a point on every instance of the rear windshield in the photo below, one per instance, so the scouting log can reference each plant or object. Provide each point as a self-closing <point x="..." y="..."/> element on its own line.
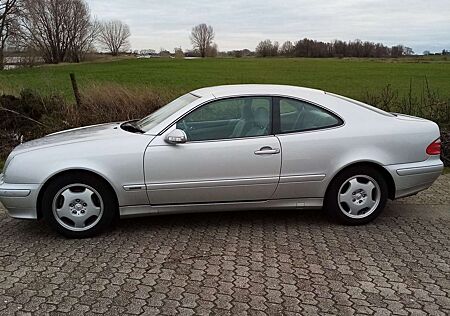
<point x="365" y="105"/>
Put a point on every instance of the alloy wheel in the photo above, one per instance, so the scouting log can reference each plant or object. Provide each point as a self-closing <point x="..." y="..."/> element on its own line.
<point x="359" y="196"/>
<point x="78" y="207"/>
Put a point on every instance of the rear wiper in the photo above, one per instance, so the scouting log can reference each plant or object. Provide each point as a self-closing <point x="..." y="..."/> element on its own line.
<point x="131" y="127"/>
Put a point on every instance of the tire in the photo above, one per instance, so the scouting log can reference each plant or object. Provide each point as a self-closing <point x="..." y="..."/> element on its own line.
<point x="79" y="205"/>
<point x="356" y="196"/>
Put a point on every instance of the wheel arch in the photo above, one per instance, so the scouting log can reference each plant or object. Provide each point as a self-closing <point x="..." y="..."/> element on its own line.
<point x="385" y="174"/>
<point x="69" y="172"/>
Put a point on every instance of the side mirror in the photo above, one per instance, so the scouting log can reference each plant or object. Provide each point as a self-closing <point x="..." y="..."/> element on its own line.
<point x="177" y="136"/>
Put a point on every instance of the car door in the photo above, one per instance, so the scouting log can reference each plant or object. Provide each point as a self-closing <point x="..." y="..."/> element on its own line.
<point x="310" y="140"/>
<point x="230" y="155"/>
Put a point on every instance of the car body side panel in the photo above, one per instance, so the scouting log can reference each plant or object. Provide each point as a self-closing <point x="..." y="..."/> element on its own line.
<point x="211" y="171"/>
<point x="118" y="160"/>
<point x="413" y="177"/>
<point x="315" y="157"/>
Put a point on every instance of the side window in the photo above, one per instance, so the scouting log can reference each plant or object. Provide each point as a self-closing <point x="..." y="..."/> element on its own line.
<point x="229" y="118"/>
<point x="297" y="116"/>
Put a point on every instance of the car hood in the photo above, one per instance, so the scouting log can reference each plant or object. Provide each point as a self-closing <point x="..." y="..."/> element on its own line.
<point x="81" y="134"/>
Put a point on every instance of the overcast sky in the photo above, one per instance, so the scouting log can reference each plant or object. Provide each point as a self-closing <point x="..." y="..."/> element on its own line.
<point x="422" y="25"/>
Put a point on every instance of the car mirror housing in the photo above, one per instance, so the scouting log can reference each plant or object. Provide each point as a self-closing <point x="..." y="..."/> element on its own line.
<point x="177" y="136"/>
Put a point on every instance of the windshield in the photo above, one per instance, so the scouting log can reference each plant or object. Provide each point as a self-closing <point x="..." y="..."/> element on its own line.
<point x="147" y="123"/>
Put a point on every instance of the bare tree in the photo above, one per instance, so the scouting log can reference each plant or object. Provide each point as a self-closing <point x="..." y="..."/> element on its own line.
<point x="287" y="49"/>
<point x="212" y="50"/>
<point x="178" y="52"/>
<point x="266" y="48"/>
<point x="114" y="35"/>
<point x="312" y="48"/>
<point x="202" y="37"/>
<point x="8" y="25"/>
<point x="61" y="30"/>
<point x="409" y="51"/>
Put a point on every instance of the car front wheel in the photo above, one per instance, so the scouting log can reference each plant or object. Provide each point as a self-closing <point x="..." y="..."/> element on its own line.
<point x="78" y="205"/>
<point x="357" y="195"/>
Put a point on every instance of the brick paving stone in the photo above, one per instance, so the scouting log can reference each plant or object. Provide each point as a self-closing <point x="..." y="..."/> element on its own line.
<point x="236" y="263"/>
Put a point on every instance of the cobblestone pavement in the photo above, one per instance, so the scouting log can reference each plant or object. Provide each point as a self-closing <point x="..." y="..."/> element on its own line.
<point x="260" y="263"/>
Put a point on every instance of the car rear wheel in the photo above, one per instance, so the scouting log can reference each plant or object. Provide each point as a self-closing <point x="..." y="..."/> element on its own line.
<point x="357" y="195"/>
<point x="79" y="205"/>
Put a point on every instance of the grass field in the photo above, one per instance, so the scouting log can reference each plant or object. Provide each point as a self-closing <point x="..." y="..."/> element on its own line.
<point x="350" y="77"/>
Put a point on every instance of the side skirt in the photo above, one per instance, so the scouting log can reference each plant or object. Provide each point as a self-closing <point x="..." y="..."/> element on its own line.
<point x="145" y="210"/>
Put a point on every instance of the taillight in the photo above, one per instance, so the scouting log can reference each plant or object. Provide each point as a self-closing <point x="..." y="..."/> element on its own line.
<point x="434" y="148"/>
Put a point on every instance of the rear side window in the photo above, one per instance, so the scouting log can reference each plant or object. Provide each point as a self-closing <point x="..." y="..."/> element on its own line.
<point x="298" y="116"/>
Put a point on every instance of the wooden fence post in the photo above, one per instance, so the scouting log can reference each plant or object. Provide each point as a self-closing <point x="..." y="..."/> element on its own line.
<point x="76" y="92"/>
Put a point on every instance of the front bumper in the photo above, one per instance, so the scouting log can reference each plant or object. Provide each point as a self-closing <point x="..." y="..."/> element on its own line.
<point x="412" y="178"/>
<point x="19" y="199"/>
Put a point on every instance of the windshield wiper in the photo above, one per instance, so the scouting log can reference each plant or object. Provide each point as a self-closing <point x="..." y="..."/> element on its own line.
<point x="131" y="127"/>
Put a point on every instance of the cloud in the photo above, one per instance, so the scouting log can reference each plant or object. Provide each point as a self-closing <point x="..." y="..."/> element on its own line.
<point x="242" y="24"/>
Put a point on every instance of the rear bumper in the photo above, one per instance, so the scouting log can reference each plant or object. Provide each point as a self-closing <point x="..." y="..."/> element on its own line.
<point x="412" y="178"/>
<point x="19" y="199"/>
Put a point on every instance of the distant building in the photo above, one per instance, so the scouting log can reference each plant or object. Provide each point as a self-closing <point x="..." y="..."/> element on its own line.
<point x="147" y="53"/>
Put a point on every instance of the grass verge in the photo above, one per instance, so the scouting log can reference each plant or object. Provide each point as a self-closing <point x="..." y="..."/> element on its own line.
<point x="349" y="77"/>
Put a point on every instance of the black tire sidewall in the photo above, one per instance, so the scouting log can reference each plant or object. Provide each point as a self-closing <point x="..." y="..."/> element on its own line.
<point x="331" y="199"/>
<point x="108" y="198"/>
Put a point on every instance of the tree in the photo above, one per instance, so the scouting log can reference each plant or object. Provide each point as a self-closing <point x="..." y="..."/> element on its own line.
<point x="312" y="48"/>
<point x="287" y="49"/>
<point x="202" y="37"/>
<point x="409" y="51"/>
<point x="61" y="30"/>
<point x="178" y="52"/>
<point x="265" y="48"/>
<point x="114" y="35"/>
<point x="397" y="51"/>
<point x="212" y="50"/>
<point x="8" y="25"/>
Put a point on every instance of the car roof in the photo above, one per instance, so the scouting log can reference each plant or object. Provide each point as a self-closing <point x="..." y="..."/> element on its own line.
<point x="257" y="89"/>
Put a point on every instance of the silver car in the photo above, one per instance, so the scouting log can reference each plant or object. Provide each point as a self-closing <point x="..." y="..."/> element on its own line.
<point x="225" y="148"/>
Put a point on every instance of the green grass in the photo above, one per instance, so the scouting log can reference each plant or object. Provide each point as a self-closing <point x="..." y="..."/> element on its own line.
<point x="350" y="77"/>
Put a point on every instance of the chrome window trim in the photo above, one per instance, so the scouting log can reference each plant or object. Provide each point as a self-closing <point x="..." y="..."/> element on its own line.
<point x="341" y="124"/>
<point x="271" y="104"/>
<point x="228" y="139"/>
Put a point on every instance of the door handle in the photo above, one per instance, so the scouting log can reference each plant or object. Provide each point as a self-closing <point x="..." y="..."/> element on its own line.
<point x="267" y="151"/>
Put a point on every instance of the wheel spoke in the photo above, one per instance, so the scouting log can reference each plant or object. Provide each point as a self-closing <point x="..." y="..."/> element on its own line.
<point x="354" y="209"/>
<point x="369" y="203"/>
<point x="354" y="185"/>
<point x="92" y="210"/>
<point x="368" y="188"/>
<point x="72" y="195"/>
<point x="64" y="210"/>
<point x="78" y="221"/>
<point x="346" y="197"/>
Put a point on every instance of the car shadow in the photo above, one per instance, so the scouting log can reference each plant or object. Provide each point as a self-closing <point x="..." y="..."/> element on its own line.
<point x="227" y="219"/>
<point x="189" y="221"/>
